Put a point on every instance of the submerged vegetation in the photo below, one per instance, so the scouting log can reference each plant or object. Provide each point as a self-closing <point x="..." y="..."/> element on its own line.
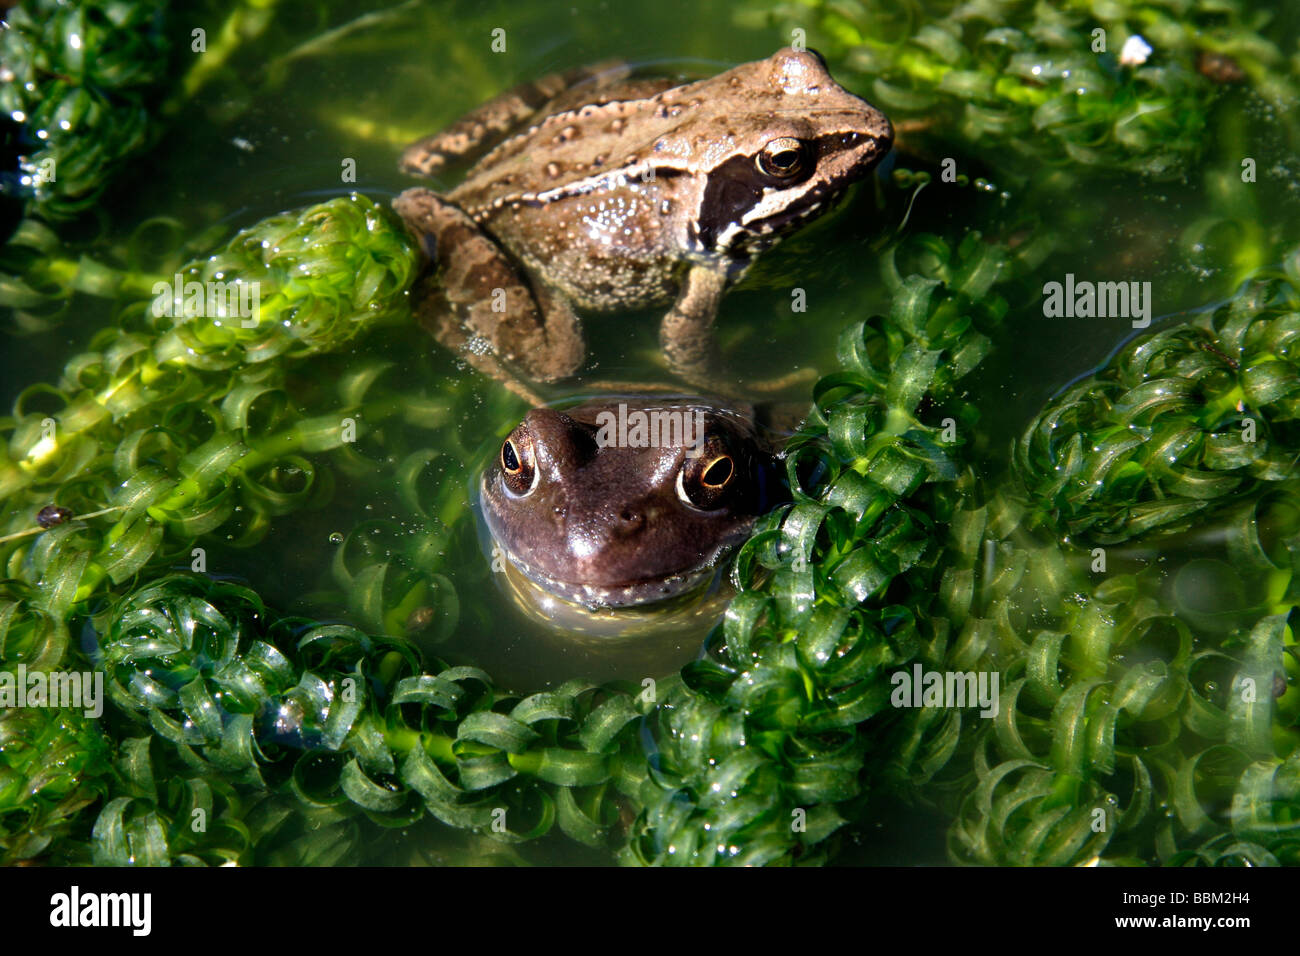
<point x="81" y="82"/>
<point x="1135" y="722"/>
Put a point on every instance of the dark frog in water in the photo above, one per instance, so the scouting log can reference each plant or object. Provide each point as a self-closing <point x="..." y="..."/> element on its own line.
<point x="612" y="193"/>
<point x="599" y="511"/>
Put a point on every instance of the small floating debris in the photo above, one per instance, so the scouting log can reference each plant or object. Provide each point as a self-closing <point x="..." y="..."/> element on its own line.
<point x="1219" y="67"/>
<point x="1135" y="51"/>
<point x="52" y="515"/>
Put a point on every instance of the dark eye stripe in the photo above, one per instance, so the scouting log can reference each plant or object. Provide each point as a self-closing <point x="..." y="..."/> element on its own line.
<point x="736" y="185"/>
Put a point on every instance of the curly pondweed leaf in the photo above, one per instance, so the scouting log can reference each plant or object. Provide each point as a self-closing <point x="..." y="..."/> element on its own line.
<point x="165" y="815"/>
<point x="1175" y="733"/>
<point x="1183" y="418"/>
<point x="1141" y="762"/>
<point x="350" y="722"/>
<point x="82" y="78"/>
<point x="55" y="764"/>
<point x="767" y="746"/>
<point x="187" y="430"/>
<point x="295" y="284"/>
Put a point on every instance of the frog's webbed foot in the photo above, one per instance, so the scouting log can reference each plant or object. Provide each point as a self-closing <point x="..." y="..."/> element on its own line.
<point x="477" y="304"/>
<point x="481" y="129"/>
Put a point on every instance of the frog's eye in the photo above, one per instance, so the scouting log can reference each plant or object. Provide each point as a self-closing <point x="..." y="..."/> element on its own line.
<point x="783" y="158"/>
<point x="705" y="481"/>
<point x="718" y="473"/>
<point x="518" y="470"/>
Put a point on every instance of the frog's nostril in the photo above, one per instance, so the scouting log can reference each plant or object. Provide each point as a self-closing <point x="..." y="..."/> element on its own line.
<point x="630" y="520"/>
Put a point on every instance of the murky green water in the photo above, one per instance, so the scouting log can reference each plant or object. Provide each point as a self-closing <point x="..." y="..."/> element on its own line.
<point x="257" y="143"/>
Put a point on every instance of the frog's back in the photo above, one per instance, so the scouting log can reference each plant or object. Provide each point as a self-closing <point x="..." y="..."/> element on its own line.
<point x="582" y="132"/>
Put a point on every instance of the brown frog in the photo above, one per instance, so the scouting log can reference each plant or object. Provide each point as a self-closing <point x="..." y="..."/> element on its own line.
<point x="619" y="505"/>
<point x="622" y="194"/>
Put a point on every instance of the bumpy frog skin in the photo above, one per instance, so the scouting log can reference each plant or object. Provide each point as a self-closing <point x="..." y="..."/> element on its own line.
<point x="622" y="194"/>
<point x="595" y="516"/>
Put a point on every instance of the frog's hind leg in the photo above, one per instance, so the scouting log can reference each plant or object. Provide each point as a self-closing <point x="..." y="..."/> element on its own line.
<point x="435" y="312"/>
<point x="478" y="304"/>
<point x="481" y="129"/>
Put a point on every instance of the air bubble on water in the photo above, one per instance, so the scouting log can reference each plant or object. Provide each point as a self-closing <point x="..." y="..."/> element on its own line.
<point x="336" y="537"/>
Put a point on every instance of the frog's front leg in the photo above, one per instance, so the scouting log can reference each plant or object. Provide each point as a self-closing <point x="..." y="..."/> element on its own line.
<point x="686" y="332"/>
<point x="479" y="305"/>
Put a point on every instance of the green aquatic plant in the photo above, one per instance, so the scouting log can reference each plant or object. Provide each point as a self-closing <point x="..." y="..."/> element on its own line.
<point x="323" y="276"/>
<point x="86" y="85"/>
<point x="761" y="750"/>
<point x="331" y="717"/>
<point x="764" y="750"/>
<point x="54" y="767"/>
<point x="1183" y="420"/>
<point x="172" y="426"/>
<point x="81" y="80"/>
<point x="342" y="720"/>
<point x="1136" y="723"/>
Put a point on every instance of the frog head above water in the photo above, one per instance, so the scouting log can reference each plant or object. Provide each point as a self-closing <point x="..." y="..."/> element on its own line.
<point x="784" y="142"/>
<point x="621" y="505"/>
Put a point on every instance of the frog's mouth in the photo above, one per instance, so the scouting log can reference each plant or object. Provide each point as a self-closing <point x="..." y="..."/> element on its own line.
<point x="596" y="597"/>
<point x="687" y="615"/>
